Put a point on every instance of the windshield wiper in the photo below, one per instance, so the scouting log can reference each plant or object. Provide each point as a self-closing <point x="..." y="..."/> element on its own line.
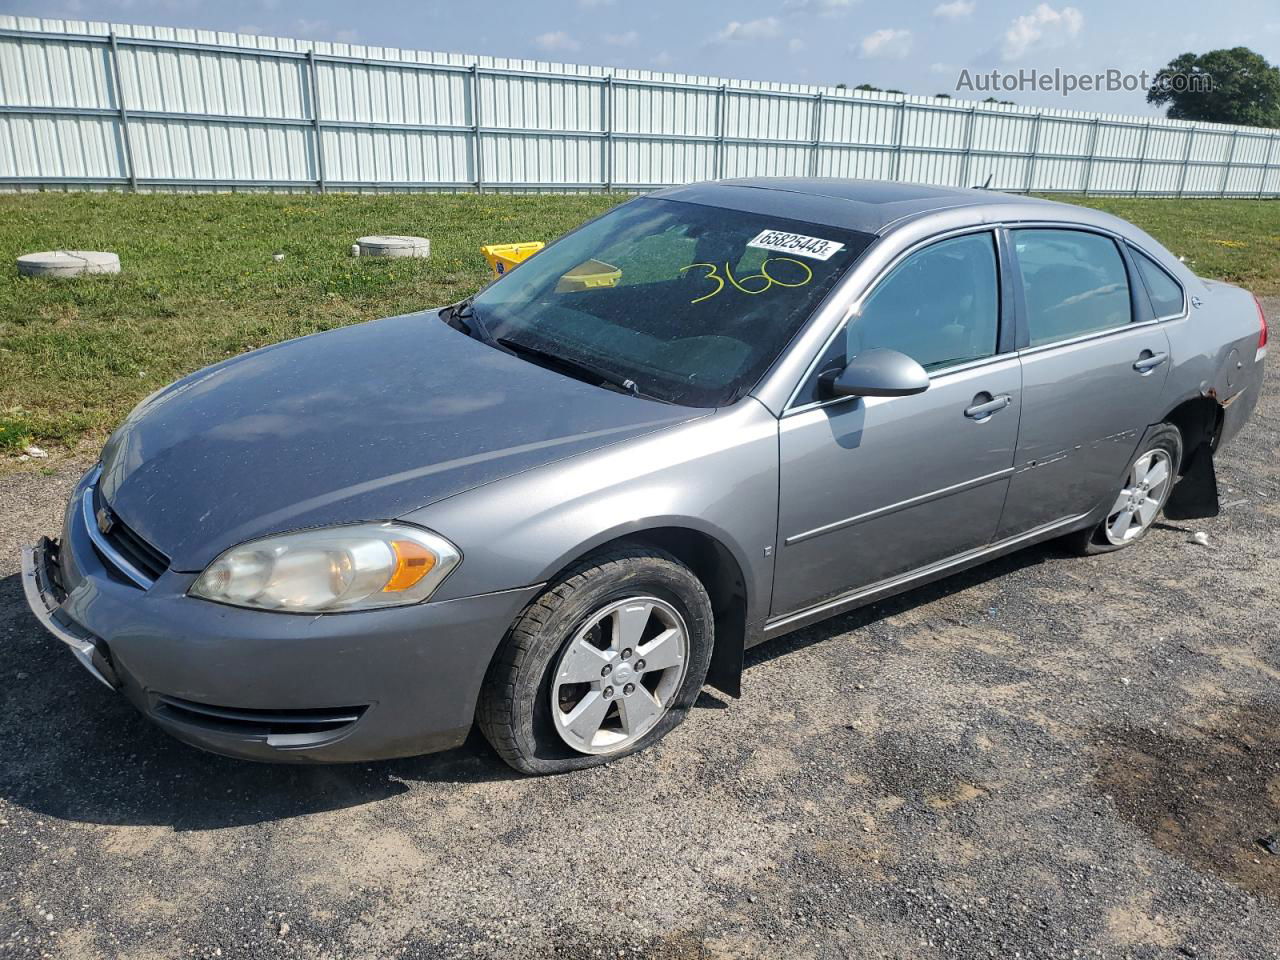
<point x="577" y="368"/>
<point x="465" y="312"/>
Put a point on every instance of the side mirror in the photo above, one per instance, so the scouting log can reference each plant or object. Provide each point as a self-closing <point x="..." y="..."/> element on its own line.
<point x="876" y="373"/>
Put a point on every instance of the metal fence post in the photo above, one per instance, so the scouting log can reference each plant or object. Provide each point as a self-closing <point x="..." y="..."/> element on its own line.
<point x="1266" y="165"/>
<point x="968" y="146"/>
<point x="1092" y="152"/>
<point x="897" y="139"/>
<point x="1142" y="158"/>
<point x="1226" y="170"/>
<point x="125" y="138"/>
<point x="475" y="127"/>
<point x="1186" y="161"/>
<point x="1035" y="146"/>
<point x="815" y="142"/>
<point x="608" y="133"/>
<point x="720" y="112"/>
<point x="317" y="146"/>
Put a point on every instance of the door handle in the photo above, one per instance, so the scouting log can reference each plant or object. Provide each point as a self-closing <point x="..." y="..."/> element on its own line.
<point x="985" y="408"/>
<point x="1148" y="361"/>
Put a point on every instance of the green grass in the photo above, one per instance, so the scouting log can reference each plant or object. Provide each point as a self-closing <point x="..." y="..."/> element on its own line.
<point x="1233" y="240"/>
<point x="199" y="283"/>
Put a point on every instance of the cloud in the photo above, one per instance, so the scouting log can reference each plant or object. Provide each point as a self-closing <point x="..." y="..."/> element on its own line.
<point x="895" y="44"/>
<point x="627" y="39"/>
<point x="588" y="4"/>
<point x="1042" y="27"/>
<point x="795" y="45"/>
<point x="823" y="8"/>
<point x="556" y="40"/>
<point x="941" y="68"/>
<point x="662" y="59"/>
<point x="766" y="28"/>
<point x="955" y="10"/>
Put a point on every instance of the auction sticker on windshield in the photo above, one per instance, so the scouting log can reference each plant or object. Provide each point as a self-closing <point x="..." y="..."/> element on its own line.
<point x="813" y="247"/>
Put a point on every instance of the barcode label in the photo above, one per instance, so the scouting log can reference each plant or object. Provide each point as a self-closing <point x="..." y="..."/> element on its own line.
<point x="813" y="247"/>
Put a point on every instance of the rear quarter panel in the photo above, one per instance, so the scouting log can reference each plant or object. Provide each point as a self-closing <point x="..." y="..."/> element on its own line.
<point x="1213" y="350"/>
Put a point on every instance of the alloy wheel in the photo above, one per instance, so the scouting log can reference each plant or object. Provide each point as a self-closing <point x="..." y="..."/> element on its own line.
<point x="618" y="675"/>
<point x="1141" y="498"/>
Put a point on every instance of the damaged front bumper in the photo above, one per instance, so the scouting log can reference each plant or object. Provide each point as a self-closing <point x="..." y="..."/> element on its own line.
<point x="41" y="582"/>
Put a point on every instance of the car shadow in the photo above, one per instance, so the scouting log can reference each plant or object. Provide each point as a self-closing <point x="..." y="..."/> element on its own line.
<point x="76" y="751"/>
<point x="903" y="602"/>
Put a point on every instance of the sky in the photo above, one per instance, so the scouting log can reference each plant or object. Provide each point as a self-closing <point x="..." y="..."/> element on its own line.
<point x="920" y="47"/>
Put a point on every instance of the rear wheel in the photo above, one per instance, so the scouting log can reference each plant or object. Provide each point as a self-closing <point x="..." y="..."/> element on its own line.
<point x="1141" y="497"/>
<point x="604" y="663"/>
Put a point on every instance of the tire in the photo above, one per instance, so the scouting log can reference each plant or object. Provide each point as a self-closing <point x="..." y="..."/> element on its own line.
<point x="1163" y="445"/>
<point x="526" y="702"/>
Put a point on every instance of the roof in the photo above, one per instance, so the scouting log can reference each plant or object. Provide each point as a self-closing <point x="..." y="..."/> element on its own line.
<point x="868" y="206"/>
<point x="880" y="207"/>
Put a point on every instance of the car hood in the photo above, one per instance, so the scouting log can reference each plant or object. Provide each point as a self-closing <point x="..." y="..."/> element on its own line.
<point x="366" y="422"/>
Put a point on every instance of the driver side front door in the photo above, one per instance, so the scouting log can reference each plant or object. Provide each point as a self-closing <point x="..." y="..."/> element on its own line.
<point x="873" y="488"/>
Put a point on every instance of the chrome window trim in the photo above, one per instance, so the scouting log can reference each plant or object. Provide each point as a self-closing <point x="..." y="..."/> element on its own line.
<point x="856" y="303"/>
<point x="99" y="541"/>
<point x="1085" y="338"/>
<point x="1186" y="301"/>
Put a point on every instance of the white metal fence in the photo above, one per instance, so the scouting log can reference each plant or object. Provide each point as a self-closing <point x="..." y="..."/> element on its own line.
<point x="86" y="104"/>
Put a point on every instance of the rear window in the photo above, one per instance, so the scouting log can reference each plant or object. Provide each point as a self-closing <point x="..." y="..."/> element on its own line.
<point x="1165" y="292"/>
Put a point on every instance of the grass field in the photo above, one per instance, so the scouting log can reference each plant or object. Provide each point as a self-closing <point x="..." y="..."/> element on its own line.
<point x="199" y="282"/>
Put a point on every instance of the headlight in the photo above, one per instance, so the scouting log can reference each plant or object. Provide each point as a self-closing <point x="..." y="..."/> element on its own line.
<point x="338" y="568"/>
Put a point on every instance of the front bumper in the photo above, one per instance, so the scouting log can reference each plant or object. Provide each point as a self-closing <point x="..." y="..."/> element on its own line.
<point x="44" y="597"/>
<point x="269" y="686"/>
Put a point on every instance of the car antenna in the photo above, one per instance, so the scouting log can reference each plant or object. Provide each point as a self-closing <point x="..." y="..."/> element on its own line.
<point x="987" y="183"/>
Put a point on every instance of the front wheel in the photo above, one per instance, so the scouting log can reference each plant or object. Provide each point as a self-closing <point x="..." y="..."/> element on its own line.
<point x="1146" y="488"/>
<point x="604" y="663"/>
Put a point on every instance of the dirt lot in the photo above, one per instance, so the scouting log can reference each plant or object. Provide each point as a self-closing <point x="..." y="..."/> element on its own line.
<point x="1047" y="757"/>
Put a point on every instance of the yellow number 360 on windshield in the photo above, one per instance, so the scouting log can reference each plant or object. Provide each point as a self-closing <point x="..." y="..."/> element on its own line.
<point x="713" y="273"/>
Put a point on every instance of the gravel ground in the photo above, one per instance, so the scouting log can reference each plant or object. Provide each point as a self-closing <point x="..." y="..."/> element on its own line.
<point x="1046" y="757"/>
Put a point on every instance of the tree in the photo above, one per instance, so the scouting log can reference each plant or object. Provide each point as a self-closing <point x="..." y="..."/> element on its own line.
<point x="994" y="100"/>
<point x="1222" y="86"/>
<point x="869" y="87"/>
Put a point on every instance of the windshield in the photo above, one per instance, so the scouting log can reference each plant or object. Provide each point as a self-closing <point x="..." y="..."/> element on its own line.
<point x="677" y="301"/>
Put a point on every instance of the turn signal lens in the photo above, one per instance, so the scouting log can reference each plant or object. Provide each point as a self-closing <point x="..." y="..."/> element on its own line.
<point x="413" y="562"/>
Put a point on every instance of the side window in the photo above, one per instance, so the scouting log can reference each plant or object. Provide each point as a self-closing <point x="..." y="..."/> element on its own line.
<point x="940" y="306"/>
<point x="1075" y="283"/>
<point x="1165" y="292"/>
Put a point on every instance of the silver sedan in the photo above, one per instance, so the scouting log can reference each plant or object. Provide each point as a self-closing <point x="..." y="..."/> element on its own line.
<point x="713" y="415"/>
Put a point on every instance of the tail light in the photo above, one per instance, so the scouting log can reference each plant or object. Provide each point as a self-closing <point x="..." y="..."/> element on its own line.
<point x="1262" y="334"/>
